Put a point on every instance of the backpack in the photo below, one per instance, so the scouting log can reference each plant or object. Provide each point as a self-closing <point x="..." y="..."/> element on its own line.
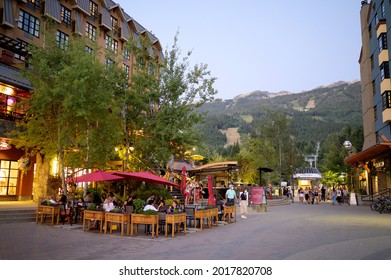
<point x="243" y="196"/>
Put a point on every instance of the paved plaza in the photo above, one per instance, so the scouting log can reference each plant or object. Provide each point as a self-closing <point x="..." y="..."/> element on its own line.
<point x="292" y="232"/>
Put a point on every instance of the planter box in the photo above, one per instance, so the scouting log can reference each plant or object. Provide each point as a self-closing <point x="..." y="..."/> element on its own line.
<point x="175" y="219"/>
<point x="152" y="220"/>
<point x="44" y="210"/>
<point x="93" y="215"/>
<point x="117" y="218"/>
<point x="228" y="210"/>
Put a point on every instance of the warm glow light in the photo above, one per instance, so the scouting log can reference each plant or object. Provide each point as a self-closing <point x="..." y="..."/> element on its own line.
<point x="54" y="166"/>
<point x="7" y="90"/>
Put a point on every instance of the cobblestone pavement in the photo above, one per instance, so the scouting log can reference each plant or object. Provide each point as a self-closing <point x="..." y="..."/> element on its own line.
<point x="297" y="231"/>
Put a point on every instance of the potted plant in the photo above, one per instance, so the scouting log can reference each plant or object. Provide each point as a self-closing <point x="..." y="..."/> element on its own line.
<point x="143" y="217"/>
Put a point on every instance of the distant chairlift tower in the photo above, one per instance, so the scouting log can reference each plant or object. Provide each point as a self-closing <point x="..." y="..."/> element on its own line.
<point x="312" y="159"/>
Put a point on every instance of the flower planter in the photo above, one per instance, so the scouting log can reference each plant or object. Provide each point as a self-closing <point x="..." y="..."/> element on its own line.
<point x="152" y="220"/>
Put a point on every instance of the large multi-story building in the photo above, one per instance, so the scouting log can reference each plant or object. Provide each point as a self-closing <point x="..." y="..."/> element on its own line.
<point x="22" y="22"/>
<point x="374" y="161"/>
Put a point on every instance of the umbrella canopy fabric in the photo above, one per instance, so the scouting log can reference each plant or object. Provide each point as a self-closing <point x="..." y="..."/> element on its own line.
<point x="98" y="176"/>
<point x="211" y="198"/>
<point x="146" y="177"/>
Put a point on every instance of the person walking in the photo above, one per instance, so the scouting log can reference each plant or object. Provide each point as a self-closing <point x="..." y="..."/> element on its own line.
<point x="333" y="196"/>
<point x="230" y="195"/>
<point x="243" y="204"/>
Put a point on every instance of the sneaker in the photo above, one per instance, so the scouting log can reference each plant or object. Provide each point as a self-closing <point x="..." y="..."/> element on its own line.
<point x="244" y="217"/>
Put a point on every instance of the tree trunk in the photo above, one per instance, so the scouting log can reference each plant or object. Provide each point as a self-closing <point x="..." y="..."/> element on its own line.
<point x="41" y="177"/>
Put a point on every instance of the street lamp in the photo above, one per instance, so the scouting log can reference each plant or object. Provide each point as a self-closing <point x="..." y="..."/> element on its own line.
<point x="349" y="147"/>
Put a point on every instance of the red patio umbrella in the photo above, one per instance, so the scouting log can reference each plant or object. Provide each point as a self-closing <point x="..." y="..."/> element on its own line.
<point x="146" y="177"/>
<point x="98" y="176"/>
<point x="211" y="197"/>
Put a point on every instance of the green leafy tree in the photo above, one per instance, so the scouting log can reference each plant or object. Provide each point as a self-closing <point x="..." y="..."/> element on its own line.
<point x="72" y="114"/>
<point x="161" y="108"/>
<point x="270" y="145"/>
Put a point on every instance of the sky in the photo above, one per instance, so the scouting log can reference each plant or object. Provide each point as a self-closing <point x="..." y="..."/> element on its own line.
<point x="263" y="45"/>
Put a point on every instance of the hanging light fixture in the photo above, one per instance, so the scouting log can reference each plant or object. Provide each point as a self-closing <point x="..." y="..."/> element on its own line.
<point x="4" y="144"/>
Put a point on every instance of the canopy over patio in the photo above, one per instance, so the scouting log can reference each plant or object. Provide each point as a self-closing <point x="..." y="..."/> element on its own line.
<point x="145" y="176"/>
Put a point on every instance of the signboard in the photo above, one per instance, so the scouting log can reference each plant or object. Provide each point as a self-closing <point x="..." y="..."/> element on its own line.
<point x="256" y="195"/>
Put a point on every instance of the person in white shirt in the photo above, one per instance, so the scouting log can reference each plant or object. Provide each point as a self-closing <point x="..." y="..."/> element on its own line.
<point x="150" y="206"/>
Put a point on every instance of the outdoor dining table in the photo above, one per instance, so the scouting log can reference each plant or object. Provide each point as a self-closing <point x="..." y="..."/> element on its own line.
<point x="89" y="215"/>
<point x="228" y="210"/>
<point x="175" y="219"/>
<point x="43" y="210"/>
<point x="119" y="218"/>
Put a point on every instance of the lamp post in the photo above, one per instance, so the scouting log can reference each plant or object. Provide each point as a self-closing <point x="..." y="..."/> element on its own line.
<point x="349" y="147"/>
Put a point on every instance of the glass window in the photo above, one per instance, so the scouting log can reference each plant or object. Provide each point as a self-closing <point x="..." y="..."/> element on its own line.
<point x="384" y="70"/>
<point x="94" y="10"/>
<point x="65" y="15"/>
<point x="28" y="23"/>
<point x="62" y="39"/>
<point x="111" y="44"/>
<point x="126" y="70"/>
<point x="91" y="31"/>
<point x="382" y="41"/>
<point x="126" y="54"/>
<point x="386" y="98"/>
<point x="8" y="177"/>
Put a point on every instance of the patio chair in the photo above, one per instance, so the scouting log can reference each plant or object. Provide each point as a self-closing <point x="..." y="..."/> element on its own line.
<point x="66" y="213"/>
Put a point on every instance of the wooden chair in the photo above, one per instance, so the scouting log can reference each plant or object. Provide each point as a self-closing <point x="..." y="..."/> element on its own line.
<point x="66" y="213"/>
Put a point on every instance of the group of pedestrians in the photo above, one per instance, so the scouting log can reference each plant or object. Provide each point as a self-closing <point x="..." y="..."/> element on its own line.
<point x="312" y="195"/>
<point x="339" y="196"/>
<point x="315" y="195"/>
<point x="231" y="198"/>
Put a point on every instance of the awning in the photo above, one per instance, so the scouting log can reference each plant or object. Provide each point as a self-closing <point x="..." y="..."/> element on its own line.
<point x="145" y="176"/>
<point x="98" y="176"/>
<point x="369" y="153"/>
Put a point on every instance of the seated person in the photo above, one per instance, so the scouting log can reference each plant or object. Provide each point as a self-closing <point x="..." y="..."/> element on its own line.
<point x="150" y="206"/>
<point x="161" y="206"/>
<point x="80" y="202"/>
<point x="109" y="204"/>
<point x="174" y="206"/>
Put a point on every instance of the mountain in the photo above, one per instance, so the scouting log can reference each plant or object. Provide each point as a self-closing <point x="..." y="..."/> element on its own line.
<point x="314" y="113"/>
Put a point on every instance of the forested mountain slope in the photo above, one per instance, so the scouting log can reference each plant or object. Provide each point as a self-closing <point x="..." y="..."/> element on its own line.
<point x="315" y="113"/>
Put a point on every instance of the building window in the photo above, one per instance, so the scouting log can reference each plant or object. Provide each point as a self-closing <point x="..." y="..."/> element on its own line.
<point x="88" y="50"/>
<point x="126" y="54"/>
<point x="375" y="112"/>
<point x="22" y="45"/>
<point x="385" y="70"/>
<point x="28" y="23"/>
<point x="126" y="69"/>
<point x="8" y="177"/>
<point x="373" y="87"/>
<point x="65" y="15"/>
<point x="382" y="41"/>
<point x="114" y="22"/>
<point x="91" y="31"/>
<point x="383" y="9"/>
<point x="62" y="39"/>
<point x="111" y="44"/>
<point x="36" y="3"/>
<point x="94" y="10"/>
<point x="109" y="62"/>
<point x="386" y="100"/>
<point x="376" y="19"/>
